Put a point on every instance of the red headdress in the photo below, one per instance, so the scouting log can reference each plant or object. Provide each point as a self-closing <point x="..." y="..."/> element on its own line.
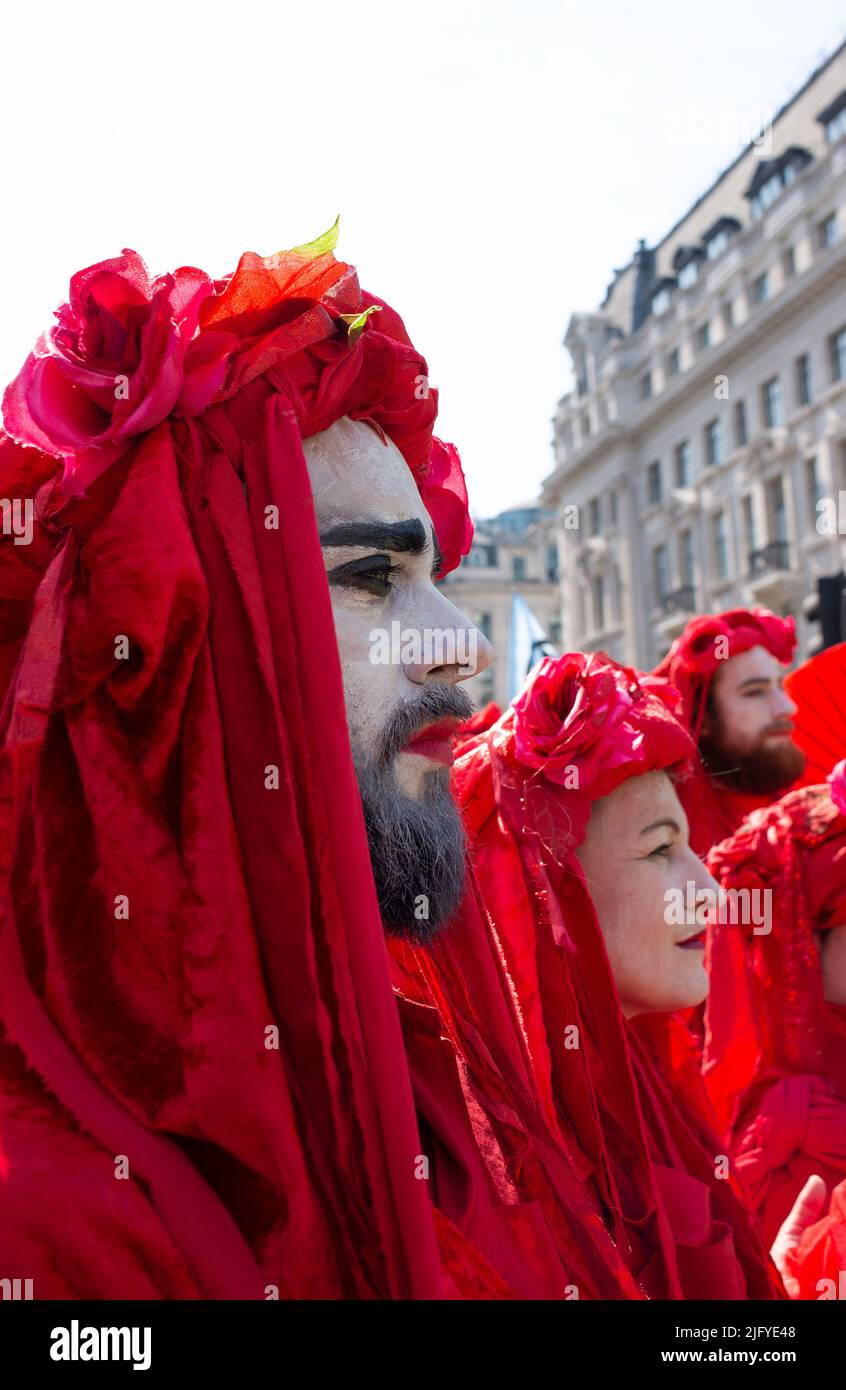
<point x="581" y="726"/>
<point x="715" y="637"/>
<point x="192" y="964"/>
<point x="775" y="1049"/>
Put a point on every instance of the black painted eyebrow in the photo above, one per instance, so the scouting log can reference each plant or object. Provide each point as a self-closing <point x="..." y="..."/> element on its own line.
<point x="407" y="537"/>
<point x="656" y="825"/>
<point x="401" y="537"/>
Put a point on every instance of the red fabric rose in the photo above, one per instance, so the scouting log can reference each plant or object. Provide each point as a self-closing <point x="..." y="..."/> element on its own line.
<point x="581" y="725"/>
<point x="128" y="352"/>
<point x="113" y="366"/>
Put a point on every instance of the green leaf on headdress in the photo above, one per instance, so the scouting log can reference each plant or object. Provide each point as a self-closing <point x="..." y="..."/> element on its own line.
<point x="321" y="245"/>
<point x="355" y="322"/>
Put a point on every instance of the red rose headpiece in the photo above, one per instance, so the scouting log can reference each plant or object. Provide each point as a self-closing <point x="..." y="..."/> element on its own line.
<point x="706" y="641"/>
<point x="128" y="352"/>
<point x="581" y="725"/>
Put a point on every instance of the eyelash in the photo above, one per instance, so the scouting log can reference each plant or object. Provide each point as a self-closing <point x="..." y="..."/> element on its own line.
<point x="661" y="851"/>
<point x="370" y="579"/>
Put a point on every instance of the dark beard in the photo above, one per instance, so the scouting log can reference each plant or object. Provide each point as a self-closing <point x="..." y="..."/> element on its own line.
<point x="763" y="771"/>
<point x="417" y="847"/>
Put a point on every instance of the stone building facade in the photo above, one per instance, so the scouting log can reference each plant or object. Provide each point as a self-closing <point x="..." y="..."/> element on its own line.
<point x="705" y="439"/>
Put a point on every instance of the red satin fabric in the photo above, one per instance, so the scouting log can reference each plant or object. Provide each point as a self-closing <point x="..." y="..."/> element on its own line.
<point x="715" y="812"/>
<point x="505" y="1167"/>
<point x="250" y="909"/>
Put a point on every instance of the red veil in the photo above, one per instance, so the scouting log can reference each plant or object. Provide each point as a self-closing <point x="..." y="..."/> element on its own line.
<point x="194" y="990"/>
<point x="775" y="1049"/>
<point x="630" y="1093"/>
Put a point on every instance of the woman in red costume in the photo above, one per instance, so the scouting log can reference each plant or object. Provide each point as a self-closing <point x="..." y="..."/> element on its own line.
<point x="578" y="836"/>
<point x="775" y="1040"/>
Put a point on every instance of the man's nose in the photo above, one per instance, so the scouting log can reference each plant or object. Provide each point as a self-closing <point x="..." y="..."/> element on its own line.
<point x="453" y="649"/>
<point x="784" y="706"/>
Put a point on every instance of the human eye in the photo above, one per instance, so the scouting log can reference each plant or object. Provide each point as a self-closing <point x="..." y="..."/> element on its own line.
<point x="661" y="851"/>
<point x="371" y="573"/>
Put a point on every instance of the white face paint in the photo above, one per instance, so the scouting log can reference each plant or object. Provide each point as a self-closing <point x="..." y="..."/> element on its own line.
<point x="634" y="856"/>
<point x="378" y="580"/>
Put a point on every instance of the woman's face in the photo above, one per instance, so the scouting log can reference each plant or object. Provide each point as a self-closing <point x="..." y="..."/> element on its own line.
<point x="638" y="865"/>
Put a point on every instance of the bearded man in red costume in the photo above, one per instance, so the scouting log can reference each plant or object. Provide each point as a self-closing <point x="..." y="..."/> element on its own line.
<point x="235" y="492"/>
<point x="729" y="669"/>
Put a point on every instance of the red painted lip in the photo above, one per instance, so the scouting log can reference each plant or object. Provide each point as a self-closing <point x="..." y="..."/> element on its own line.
<point x="693" y="943"/>
<point x="435" y="742"/>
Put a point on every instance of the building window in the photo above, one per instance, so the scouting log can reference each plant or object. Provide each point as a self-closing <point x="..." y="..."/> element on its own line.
<point x="518" y="567"/>
<point x="717" y="245"/>
<point x="749" y="523"/>
<point x="788" y="262"/>
<point x="728" y="316"/>
<point x="814" y="486"/>
<point x="612" y="498"/>
<point x="741" y="429"/>
<point x="661" y="302"/>
<point x="718" y="532"/>
<point x="689" y="274"/>
<point x="478" y="557"/>
<point x="827" y="232"/>
<point x="686" y="557"/>
<point x="484" y="624"/>
<point x="837" y="354"/>
<point x="703" y="337"/>
<point x="661" y="571"/>
<point x="594" y="517"/>
<point x="653" y="483"/>
<point x="771" y="403"/>
<point x="836" y="126"/>
<point x="778" y="510"/>
<point x="646" y="386"/>
<point x="803" y="379"/>
<point x="713" y="444"/>
<point x="769" y="192"/>
<point x="598" y="588"/>
<point x="555" y="632"/>
<point x="673" y="363"/>
<point x="760" y="288"/>
<point x="584" y="425"/>
<point x="683" y="464"/>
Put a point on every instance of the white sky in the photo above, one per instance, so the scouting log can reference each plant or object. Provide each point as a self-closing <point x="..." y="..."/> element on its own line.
<point x="492" y="162"/>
